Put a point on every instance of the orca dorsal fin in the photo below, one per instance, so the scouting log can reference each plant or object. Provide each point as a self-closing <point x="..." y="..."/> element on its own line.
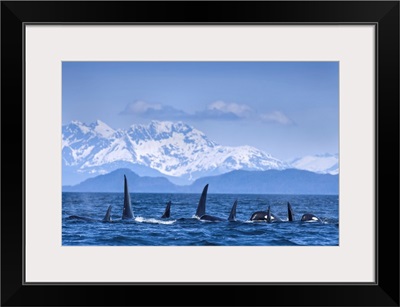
<point x="167" y="211"/>
<point x="290" y="212"/>
<point x="107" y="217"/>
<point x="232" y="215"/>
<point x="127" y="211"/>
<point x="269" y="214"/>
<point x="201" y="208"/>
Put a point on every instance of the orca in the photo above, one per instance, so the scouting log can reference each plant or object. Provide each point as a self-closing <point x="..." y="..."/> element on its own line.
<point x="211" y="218"/>
<point x="232" y="215"/>
<point x="127" y="210"/>
<point x="201" y="209"/>
<point x="167" y="211"/>
<point x="265" y="216"/>
<point x="290" y="213"/>
<point x="107" y="217"/>
<point x="309" y="217"/>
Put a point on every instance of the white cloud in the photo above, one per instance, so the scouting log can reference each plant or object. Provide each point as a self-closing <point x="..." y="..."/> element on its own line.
<point x="153" y="111"/>
<point x="240" y="110"/>
<point x="140" y="107"/>
<point x="218" y="110"/>
<point x="276" y="117"/>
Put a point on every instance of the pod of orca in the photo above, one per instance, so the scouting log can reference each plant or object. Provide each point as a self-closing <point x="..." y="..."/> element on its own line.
<point x="258" y="216"/>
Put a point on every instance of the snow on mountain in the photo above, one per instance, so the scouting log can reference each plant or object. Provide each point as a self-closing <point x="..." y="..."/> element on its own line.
<point x="81" y="141"/>
<point x="323" y="164"/>
<point x="173" y="149"/>
<point x="102" y="129"/>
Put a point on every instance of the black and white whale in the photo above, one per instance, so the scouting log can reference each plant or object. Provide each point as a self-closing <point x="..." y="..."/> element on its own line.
<point x="265" y="216"/>
<point x="309" y="217"/>
<point x="167" y="212"/>
<point x="269" y="217"/>
<point x="127" y="213"/>
<point x="201" y="209"/>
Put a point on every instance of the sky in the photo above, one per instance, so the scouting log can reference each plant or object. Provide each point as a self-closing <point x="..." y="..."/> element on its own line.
<point x="287" y="109"/>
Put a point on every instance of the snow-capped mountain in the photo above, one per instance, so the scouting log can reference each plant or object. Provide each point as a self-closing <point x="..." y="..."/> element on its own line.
<point x="323" y="164"/>
<point x="175" y="150"/>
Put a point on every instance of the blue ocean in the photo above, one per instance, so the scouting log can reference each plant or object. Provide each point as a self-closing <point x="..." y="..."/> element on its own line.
<point x="182" y="228"/>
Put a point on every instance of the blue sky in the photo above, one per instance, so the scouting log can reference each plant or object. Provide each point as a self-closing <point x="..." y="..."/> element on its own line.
<point x="288" y="109"/>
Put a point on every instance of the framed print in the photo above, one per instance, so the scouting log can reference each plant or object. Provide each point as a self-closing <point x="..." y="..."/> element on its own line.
<point x="248" y="145"/>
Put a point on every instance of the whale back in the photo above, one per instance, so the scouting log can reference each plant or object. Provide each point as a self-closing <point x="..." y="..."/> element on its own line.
<point x="309" y="217"/>
<point x="127" y="211"/>
<point x="201" y="208"/>
<point x="211" y="218"/>
<point x="258" y="216"/>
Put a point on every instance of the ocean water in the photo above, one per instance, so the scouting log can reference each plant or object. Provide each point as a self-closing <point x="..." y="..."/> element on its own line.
<point x="183" y="229"/>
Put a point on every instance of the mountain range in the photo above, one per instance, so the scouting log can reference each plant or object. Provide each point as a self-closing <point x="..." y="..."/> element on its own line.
<point x="289" y="181"/>
<point x="169" y="150"/>
<point x="323" y="163"/>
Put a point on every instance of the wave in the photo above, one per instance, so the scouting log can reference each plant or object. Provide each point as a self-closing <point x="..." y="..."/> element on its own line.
<point x="153" y="221"/>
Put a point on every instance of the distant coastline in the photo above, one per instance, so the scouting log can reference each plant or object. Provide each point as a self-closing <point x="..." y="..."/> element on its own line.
<point x="289" y="181"/>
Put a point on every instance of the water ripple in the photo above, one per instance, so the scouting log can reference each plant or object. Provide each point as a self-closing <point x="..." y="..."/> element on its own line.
<point x="183" y="229"/>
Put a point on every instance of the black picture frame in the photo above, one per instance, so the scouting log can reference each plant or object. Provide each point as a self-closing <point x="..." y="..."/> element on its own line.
<point x="383" y="14"/>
